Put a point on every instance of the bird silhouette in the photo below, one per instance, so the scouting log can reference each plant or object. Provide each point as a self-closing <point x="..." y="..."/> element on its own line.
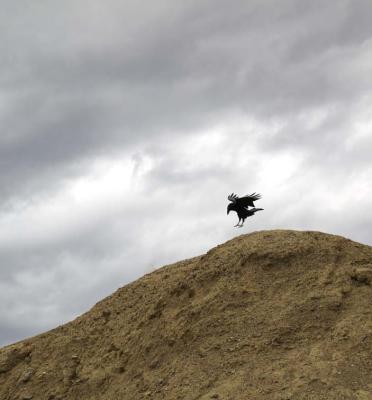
<point x="241" y="206"/>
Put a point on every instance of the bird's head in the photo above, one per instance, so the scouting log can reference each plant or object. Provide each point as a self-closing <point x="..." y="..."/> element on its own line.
<point x="229" y="208"/>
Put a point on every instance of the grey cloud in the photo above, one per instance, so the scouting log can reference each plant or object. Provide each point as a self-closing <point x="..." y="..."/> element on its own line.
<point x="203" y="60"/>
<point x="333" y="28"/>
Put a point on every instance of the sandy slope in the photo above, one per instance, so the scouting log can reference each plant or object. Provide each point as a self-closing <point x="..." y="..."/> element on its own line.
<point x="269" y="315"/>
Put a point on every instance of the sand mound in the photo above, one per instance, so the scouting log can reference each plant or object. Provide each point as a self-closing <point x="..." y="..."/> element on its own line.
<point x="269" y="315"/>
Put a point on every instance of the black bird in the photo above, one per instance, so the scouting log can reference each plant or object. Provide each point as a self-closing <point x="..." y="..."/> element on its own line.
<point x="241" y="204"/>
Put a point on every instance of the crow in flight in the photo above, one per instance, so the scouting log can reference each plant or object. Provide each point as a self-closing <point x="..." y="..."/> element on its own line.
<point x="241" y="204"/>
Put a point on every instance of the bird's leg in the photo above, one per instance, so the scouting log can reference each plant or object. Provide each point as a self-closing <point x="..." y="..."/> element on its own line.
<point x="238" y="223"/>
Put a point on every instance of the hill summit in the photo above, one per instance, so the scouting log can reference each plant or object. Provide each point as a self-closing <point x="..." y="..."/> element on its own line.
<point x="267" y="315"/>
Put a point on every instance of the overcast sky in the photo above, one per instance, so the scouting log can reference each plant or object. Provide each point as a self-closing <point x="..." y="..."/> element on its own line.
<point x="125" y="125"/>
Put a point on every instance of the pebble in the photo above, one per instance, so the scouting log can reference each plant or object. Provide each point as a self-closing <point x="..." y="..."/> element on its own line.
<point x="26" y="376"/>
<point x="27" y="397"/>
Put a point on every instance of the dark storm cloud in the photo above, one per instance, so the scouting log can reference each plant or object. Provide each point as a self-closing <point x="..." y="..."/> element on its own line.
<point x="187" y="67"/>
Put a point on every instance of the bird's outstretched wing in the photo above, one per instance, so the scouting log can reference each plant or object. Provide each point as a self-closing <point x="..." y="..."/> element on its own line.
<point x="248" y="199"/>
<point x="245" y="201"/>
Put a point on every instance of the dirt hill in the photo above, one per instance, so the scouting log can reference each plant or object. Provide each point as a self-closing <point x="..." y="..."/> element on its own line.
<point x="268" y="315"/>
